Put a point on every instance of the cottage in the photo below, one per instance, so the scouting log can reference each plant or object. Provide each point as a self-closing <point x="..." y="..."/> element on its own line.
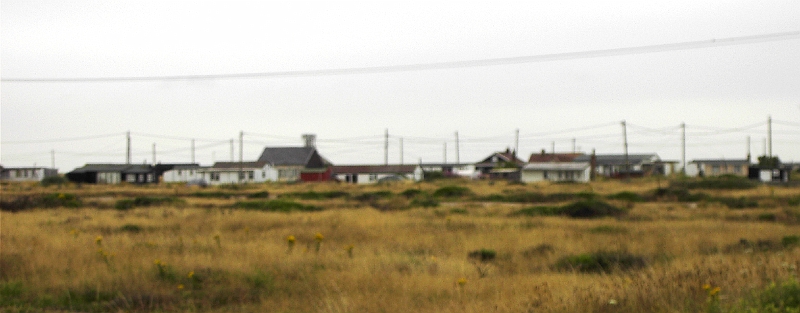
<point x="718" y="167"/>
<point x="113" y="174"/>
<point x="23" y="174"/>
<point x="370" y="174"/>
<point x="292" y="162"/>
<point x="556" y="172"/>
<point x="238" y="172"/>
<point x="618" y="165"/>
<point x="184" y="173"/>
<point x="500" y="165"/>
<point x="450" y="169"/>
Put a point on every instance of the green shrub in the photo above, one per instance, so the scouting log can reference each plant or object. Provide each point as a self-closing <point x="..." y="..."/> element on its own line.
<point x="410" y="193"/>
<point x="130" y="228"/>
<point x="678" y="193"/>
<point x="67" y="200"/>
<point x="126" y="204"/>
<point x="790" y="241"/>
<point x="53" y="180"/>
<point x="459" y="211"/>
<point x="313" y="195"/>
<point x="767" y="217"/>
<point x="591" y="209"/>
<point x="276" y="206"/>
<point x="775" y="298"/>
<point x="722" y="183"/>
<point x="626" y="196"/>
<point x="737" y="203"/>
<point x="540" y="210"/>
<point x="483" y="255"/>
<point x="424" y="201"/>
<point x="259" y="195"/>
<point x="601" y="262"/>
<point x="375" y="195"/>
<point x="608" y="229"/>
<point x="452" y="192"/>
<point x="213" y="194"/>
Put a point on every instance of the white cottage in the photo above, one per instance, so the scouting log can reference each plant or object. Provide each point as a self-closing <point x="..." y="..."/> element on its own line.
<point x="184" y="174"/>
<point x="236" y="172"/>
<point x="370" y="174"/>
<point x="21" y="174"/>
<point x="556" y="172"/>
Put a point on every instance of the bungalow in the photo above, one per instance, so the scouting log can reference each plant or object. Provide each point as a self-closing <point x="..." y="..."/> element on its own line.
<point x="292" y="162"/>
<point x="370" y="174"/>
<point x="556" y="172"/>
<point x="500" y="165"/>
<point x="22" y="174"/>
<point x="718" y="167"/>
<point x="449" y="169"/>
<point x="184" y="173"/>
<point x="544" y="157"/>
<point x="113" y="174"/>
<point x="238" y="172"/>
<point x="615" y="165"/>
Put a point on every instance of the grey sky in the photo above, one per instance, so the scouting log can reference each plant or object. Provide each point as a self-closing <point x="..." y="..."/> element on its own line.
<point x="707" y="88"/>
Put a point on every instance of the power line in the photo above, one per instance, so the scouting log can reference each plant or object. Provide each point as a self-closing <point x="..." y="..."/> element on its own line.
<point x="687" y="45"/>
<point x="60" y="139"/>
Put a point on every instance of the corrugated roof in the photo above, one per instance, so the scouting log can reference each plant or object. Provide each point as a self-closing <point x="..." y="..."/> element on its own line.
<point x="237" y="165"/>
<point x="618" y="159"/>
<point x="722" y="162"/>
<point x="553" y="157"/>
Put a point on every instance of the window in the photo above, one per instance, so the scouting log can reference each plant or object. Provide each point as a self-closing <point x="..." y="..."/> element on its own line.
<point x="264" y="174"/>
<point x="251" y="175"/>
<point x="545" y="174"/>
<point x="373" y="177"/>
<point x="214" y="176"/>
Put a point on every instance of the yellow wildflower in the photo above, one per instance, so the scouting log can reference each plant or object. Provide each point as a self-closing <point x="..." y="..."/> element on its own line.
<point x="98" y="240"/>
<point x="180" y="286"/>
<point x="290" y="239"/>
<point x="461" y="282"/>
<point x="190" y="275"/>
<point x="714" y="292"/>
<point x="319" y="237"/>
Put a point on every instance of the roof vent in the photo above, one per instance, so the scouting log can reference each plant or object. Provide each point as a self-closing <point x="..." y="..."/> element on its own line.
<point x="310" y="140"/>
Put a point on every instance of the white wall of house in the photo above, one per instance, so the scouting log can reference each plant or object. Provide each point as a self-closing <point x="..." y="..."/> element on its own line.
<point x="109" y="177"/>
<point x="231" y="176"/>
<point x="372" y="178"/>
<point x="28" y="174"/>
<point x="183" y="175"/>
<point x="556" y="172"/>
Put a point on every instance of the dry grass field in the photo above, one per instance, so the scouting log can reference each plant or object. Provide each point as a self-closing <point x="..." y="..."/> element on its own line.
<point x="445" y="246"/>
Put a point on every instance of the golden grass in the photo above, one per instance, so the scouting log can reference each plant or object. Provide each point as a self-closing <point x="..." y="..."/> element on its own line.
<point x="399" y="261"/>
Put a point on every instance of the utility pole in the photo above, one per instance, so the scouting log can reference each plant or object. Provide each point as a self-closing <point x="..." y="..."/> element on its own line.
<point x="128" y="152"/>
<point x="769" y="136"/>
<point x="458" y="162"/>
<point x="192" y="151"/>
<point x="683" y="148"/>
<point x="553" y="148"/>
<point x="625" y="140"/>
<point x="445" y="153"/>
<point x="748" y="149"/>
<point x="516" y="143"/>
<point x="401" y="150"/>
<point x="574" y="149"/>
<point x="232" y="155"/>
<point x="386" y="147"/>
<point x="241" y="155"/>
<point x="52" y="158"/>
<point x="154" y="153"/>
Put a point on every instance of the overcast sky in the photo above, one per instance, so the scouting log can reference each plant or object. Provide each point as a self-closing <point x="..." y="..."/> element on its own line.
<point x="724" y="91"/>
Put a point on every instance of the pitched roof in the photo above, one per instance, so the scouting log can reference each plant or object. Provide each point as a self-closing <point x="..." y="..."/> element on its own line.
<point x="283" y="156"/>
<point x="507" y="156"/>
<point x="722" y="162"/>
<point x="237" y="165"/>
<point x="564" y="166"/>
<point x="127" y="168"/>
<point x="618" y="159"/>
<point x="553" y="157"/>
<point x="373" y="169"/>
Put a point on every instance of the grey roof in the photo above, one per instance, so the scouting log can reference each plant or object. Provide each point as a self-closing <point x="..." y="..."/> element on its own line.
<point x="373" y="169"/>
<point x="564" y="166"/>
<point x="278" y="156"/>
<point x="122" y="168"/>
<point x="618" y="159"/>
<point x="236" y="165"/>
<point x="722" y="162"/>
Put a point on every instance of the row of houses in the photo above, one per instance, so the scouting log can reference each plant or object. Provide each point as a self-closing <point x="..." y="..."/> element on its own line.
<point x="306" y="164"/>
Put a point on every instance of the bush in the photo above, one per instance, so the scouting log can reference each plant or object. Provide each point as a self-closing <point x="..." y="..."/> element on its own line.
<point x="483" y="255"/>
<point x="737" y="203"/>
<point x="410" y="193"/>
<point x="607" y="229"/>
<point x="131" y="228"/>
<point x="452" y="192"/>
<point x="313" y="195"/>
<point x="723" y="182"/>
<point x="67" y="200"/>
<point x="259" y="195"/>
<point x="213" y="194"/>
<point x="540" y="210"/>
<point x="276" y="206"/>
<point x="601" y="262"/>
<point x="678" y="193"/>
<point x="591" y="209"/>
<point x="790" y="241"/>
<point x="775" y="298"/>
<point x="375" y="195"/>
<point x="424" y="201"/>
<point x="125" y="204"/>
<point x="53" y="180"/>
<point x="626" y="196"/>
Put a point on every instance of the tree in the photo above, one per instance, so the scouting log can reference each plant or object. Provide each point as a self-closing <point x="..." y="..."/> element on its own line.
<point x="768" y="162"/>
